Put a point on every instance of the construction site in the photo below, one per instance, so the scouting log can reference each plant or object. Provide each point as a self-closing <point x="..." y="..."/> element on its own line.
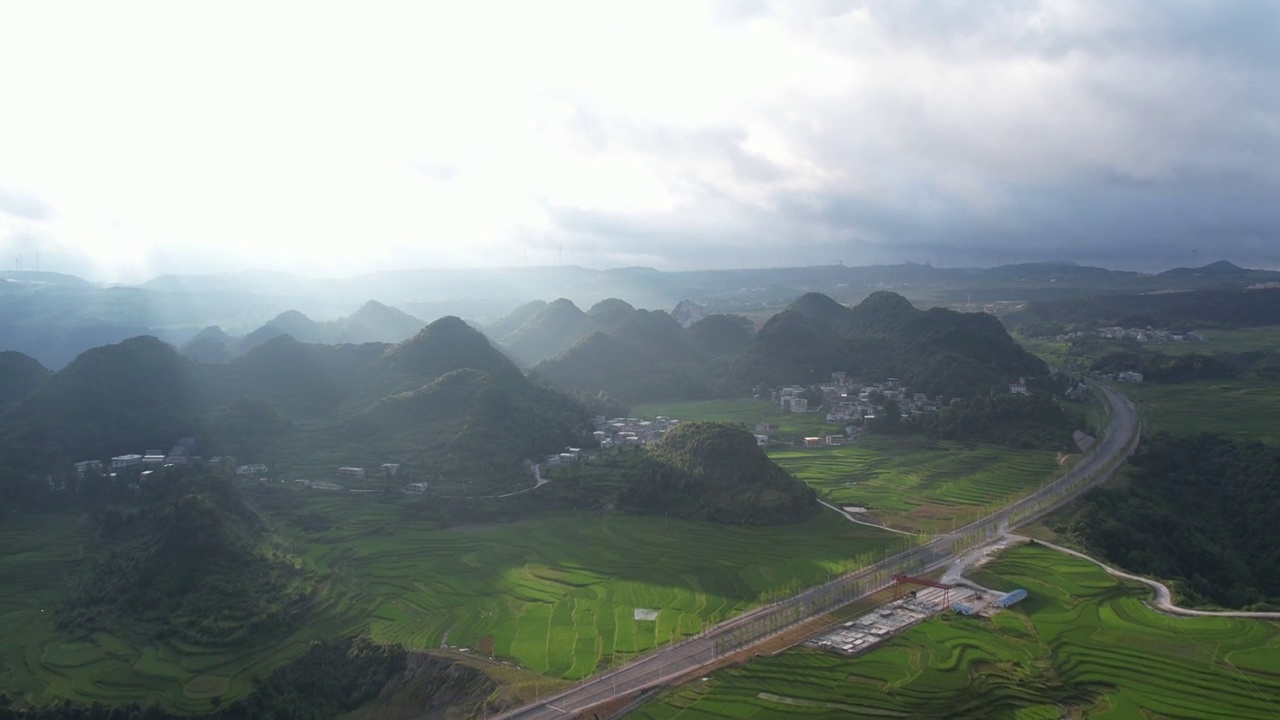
<point x="908" y="607"/>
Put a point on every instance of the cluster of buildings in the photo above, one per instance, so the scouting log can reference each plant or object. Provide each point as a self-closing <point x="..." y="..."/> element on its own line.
<point x="849" y="402"/>
<point x="1142" y="335"/>
<point x="146" y="462"/>
<point x="630" y="431"/>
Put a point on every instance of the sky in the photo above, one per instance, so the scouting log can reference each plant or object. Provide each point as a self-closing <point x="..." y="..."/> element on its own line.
<point x="139" y="139"/>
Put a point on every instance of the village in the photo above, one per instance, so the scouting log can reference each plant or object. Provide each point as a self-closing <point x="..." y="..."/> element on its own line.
<point x="1142" y="335"/>
<point x="848" y="404"/>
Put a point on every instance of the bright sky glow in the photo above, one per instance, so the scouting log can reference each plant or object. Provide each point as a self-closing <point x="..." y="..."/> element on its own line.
<point x="142" y="138"/>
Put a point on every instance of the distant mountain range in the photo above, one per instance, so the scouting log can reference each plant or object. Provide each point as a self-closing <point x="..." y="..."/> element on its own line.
<point x="54" y="317"/>
<point x="373" y="322"/>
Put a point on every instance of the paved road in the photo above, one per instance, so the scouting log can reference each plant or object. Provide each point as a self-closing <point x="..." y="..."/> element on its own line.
<point x="1163" y="598"/>
<point x="692" y="654"/>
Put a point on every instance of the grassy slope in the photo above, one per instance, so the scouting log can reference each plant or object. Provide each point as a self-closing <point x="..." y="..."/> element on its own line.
<point x="556" y="593"/>
<point x="1082" y="645"/>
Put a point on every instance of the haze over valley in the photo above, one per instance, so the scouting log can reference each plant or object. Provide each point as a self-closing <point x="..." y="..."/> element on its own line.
<point x="751" y="359"/>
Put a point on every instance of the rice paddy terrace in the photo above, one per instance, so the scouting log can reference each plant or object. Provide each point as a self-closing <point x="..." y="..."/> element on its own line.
<point x="1082" y="645"/>
<point x="559" y="595"/>
<point x="918" y="485"/>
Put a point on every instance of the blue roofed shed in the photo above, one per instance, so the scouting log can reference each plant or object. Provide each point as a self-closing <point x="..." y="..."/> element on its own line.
<point x="1016" y="596"/>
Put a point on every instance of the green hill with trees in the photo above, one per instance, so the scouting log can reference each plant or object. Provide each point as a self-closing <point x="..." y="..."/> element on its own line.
<point x="193" y="562"/>
<point x="715" y="471"/>
<point x="1199" y="510"/>
<point x="936" y="351"/>
<point x="118" y="398"/>
<point x="647" y="357"/>
<point x="445" y="405"/>
<point x="20" y="377"/>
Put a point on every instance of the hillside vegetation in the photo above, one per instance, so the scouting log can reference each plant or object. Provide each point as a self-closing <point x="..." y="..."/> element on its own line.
<point x="445" y="404"/>
<point x="194" y="562"/>
<point x="1199" y="510"/>
<point x="118" y="398"/>
<point x="1189" y="367"/>
<point x="698" y="470"/>
<point x="20" y="377"/>
<point x="937" y="352"/>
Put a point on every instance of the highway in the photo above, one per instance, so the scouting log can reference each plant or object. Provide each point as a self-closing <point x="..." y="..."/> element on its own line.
<point x="690" y="655"/>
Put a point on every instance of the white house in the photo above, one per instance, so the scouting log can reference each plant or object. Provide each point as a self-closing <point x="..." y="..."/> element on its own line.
<point x="352" y="472"/>
<point x="417" y="488"/>
<point x="762" y="440"/>
<point x="1130" y="377"/>
<point x="255" y="469"/>
<point x="390" y="469"/>
<point x="124" y="461"/>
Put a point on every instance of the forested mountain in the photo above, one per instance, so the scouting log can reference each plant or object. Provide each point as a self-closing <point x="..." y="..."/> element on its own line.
<point x="445" y="404"/>
<point x="936" y="351"/>
<point x="648" y="356"/>
<point x="20" y="377"/>
<point x="196" y="563"/>
<point x="1200" y="510"/>
<point x="721" y="335"/>
<point x="110" y="400"/>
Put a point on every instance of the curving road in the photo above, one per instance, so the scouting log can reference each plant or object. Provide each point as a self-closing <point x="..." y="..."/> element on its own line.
<point x="690" y="655"/>
<point x="1163" y="600"/>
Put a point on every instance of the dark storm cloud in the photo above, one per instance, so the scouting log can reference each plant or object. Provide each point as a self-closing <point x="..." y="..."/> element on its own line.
<point x="24" y="206"/>
<point x="1124" y="132"/>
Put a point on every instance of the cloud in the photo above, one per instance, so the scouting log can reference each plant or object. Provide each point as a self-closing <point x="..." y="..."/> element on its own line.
<point x="674" y="134"/>
<point x="23" y="205"/>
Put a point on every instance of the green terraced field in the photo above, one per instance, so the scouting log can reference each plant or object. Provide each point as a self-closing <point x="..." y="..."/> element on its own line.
<point x="556" y="594"/>
<point x="914" y="484"/>
<point x="1081" y="645"/>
